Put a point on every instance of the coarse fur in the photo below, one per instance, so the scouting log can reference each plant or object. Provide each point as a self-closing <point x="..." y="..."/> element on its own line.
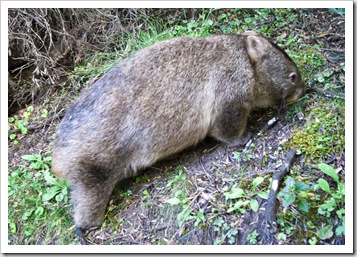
<point x="163" y="99"/>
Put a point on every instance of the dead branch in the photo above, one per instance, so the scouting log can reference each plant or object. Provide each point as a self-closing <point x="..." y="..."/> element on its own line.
<point x="276" y="182"/>
<point x="328" y="94"/>
<point x="268" y="125"/>
<point x="37" y="125"/>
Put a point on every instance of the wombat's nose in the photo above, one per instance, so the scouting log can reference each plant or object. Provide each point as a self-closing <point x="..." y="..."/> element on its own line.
<point x="300" y="92"/>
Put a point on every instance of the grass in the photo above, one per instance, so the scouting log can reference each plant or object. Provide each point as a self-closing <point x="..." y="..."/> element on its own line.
<point x="35" y="197"/>
<point x="39" y="209"/>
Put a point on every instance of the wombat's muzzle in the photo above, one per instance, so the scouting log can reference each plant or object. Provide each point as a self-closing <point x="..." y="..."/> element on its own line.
<point x="300" y="92"/>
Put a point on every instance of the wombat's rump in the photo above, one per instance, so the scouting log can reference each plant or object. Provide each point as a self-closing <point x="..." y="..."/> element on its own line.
<point x="163" y="99"/>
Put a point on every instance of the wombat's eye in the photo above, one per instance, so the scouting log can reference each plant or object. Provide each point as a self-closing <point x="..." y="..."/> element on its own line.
<point x="293" y="77"/>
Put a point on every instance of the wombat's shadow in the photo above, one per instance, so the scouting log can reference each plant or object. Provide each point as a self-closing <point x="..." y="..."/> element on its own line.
<point x="197" y="160"/>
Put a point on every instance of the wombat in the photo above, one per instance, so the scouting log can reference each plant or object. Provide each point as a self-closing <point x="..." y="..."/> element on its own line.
<point x="161" y="100"/>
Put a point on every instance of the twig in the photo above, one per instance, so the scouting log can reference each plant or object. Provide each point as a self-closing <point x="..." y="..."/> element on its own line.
<point x="328" y="94"/>
<point x="333" y="50"/>
<point x="270" y="123"/>
<point x="36" y="125"/>
<point x="162" y="227"/>
<point x="276" y="182"/>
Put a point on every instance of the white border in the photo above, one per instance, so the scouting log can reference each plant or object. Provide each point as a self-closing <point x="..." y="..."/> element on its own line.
<point x="348" y="248"/>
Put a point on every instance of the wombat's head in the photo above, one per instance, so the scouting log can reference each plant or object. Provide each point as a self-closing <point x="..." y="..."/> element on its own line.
<point x="277" y="76"/>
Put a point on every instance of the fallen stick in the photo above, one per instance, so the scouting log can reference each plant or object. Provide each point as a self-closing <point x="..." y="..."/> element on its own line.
<point x="270" y="123"/>
<point x="276" y="182"/>
<point x="328" y="94"/>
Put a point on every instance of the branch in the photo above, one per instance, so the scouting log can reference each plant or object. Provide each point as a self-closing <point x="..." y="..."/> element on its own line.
<point x="270" y="123"/>
<point x="328" y="93"/>
<point x="277" y="178"/>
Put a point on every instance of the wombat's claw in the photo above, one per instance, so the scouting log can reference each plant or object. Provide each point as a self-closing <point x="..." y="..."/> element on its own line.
<point x="80" y="234"/>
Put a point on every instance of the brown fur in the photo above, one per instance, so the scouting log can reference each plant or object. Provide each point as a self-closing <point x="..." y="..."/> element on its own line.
<point x="163" y="99"/>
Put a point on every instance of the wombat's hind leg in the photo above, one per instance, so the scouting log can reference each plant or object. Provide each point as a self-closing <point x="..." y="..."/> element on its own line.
<point x="89" y="205"/>
<point x="81" y="236"/>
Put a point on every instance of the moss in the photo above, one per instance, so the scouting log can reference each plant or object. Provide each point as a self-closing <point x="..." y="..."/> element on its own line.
<point x="324" y="135"/>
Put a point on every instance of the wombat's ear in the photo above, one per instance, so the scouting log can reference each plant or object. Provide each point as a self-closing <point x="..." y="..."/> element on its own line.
<point x="250" y="33"/>
<point x="256" y="47"/>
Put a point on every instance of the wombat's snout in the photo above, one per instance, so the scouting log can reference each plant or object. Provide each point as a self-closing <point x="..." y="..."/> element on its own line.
<point x="300" y="92"/>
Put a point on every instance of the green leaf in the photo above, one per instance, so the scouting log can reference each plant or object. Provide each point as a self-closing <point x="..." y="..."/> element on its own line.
<point x="49" y="179"/>
<point x="39" y="211"/>
<point x="178" y="192"/>
<point x="340" y="231"/>
<point x="263" y="195"/>
<point x="300" y="186"/>
<point x="257" y="181"/>
<point x="303" y="205"/>
<point x="27" y="214"/>
<point x="12" y="136"/>
<point x="288" y="199"/>
<point x="282" y="236"/>
<point x="52" y="192"/>
<point x="24" y="130"/>
<point x="201" y="215"/>
<point x="341" y="213"/>
<point x="44" y="113"/>
<point x="11" y="119"/>
<point x="341" y="188"/>
<point x="30" y="108"/>
<point x="28" y="231"/>
<point x="59" y="197"/>
<point x="238" y="206"/>
<point x="219" y="222"/>
<point x="182" y="216"/>
<point x="174" y="201"/>
<point x="328" y="170"/>
<point x="235" y="193"/>
<point x="30" y="157"/>
<point x="313" y="241"/>
<point x="64" y="191"/>
<point x="324" y="185"/>
<point x="289" y="182"/>
<point x="254" y="205"/>
<point x="12" y="227"/>
<point x="325" y="232"/>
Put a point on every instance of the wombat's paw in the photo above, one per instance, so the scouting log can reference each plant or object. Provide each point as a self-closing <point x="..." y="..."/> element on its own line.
<point x="80" y="233"/>
<point x="239" y="142"/>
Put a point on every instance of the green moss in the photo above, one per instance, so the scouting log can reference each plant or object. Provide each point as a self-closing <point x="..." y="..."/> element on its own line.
<point x="324" y="134"/>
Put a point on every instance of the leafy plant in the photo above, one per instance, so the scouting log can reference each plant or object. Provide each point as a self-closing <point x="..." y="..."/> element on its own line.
<point x="180" y="198"/>
<point x="226" y="231"/>
<point x="336" y="202"/>
<point x="293" y="191"/>
<point x="307" y="196"/>
<point x="245" y="198"/>
<point x="59" y="190"/>
<point x="34" y="195"/>
<point x="37" y="162"/>
<point x="252" y="237"/>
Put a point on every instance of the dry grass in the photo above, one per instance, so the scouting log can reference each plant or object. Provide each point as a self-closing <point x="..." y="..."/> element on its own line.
<point x="46" y="44"/>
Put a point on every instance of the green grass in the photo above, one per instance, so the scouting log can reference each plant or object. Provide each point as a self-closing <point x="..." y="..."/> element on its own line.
<point x="39" y="211"/>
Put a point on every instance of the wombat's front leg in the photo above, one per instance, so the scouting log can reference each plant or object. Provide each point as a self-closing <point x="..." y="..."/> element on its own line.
<point x="230" y="125"/>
